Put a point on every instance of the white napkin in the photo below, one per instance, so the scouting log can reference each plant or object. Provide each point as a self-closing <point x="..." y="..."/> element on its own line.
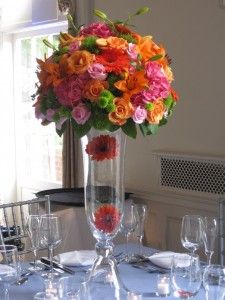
<point x="77" y="258"/>
<point x="164" y="259"/>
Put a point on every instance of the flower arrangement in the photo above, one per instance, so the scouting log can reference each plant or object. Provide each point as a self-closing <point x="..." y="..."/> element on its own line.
<point x="105" y="75"/>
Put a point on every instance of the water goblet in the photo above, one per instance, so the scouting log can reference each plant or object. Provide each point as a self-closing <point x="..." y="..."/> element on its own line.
<point x="50" y="235"/>
<point x="214" y="282"/>
<point x="141" y="210"/>
<point x="128" y="225"/>
<point x="32" y="227"/>
<point x="186" y="276"/>
<point x="191" y="232"/>
<point x="9" y="268"/>
<point x="209" y="233"/>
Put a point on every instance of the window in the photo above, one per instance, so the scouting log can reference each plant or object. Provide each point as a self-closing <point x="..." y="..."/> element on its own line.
<point x="38" y="148"/>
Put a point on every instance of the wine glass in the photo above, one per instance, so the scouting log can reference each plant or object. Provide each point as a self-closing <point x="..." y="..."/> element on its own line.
<point x="191" y="232"/>
<point x="209" y="233"/>
<point x="186" y="275"/>
<point x="128" y="225"/>
<point x="214" y="282"/>
<point x="9" y="267"/>
<point x="141" y="210"/>
<point x="32" y="227"/>
<point x="50" y="235"/>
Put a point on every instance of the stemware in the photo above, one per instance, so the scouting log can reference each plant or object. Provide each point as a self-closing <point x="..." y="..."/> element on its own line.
<point x="209" y="233"/>
<point x="191" y="232"/>
<point x="50" y="235"/>
<point x="214" y="282"/>
<point x="141" y="210"/>
<point x="186" y="275"/>
<point x="32" y="227"/>
<point x="128" y="225"/>
<point x="9" y="269"/>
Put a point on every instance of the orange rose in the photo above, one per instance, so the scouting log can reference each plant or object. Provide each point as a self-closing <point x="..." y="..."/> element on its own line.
<point x="155" y="115"/>
<point x="93" y="88"/>
<point x="123" y="111"/>
<point x="118" y="43"/>
<point x="77" y="63"/>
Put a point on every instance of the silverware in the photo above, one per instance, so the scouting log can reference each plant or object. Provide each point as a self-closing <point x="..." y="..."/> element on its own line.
<point x="23" y="278"/>
<point x="150" y="269"/>
<point x="57" y="265"/>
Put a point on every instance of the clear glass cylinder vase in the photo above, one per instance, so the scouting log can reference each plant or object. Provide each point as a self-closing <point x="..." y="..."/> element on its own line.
<point x="103" y="160"/>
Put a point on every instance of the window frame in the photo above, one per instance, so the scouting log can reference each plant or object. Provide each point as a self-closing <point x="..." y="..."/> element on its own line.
<point x="26" y="189"/>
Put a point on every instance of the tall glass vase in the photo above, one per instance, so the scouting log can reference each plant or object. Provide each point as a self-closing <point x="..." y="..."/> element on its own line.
<point x="103" y="159"/>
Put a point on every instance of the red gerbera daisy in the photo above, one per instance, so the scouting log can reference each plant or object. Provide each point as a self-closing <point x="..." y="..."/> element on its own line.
<point x="102" y="147"/>
<point x="107" y="218"/>
<point x="114" y="60"/>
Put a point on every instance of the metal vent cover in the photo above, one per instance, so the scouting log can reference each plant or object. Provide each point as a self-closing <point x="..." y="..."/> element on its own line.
<point x="192" y="173"/>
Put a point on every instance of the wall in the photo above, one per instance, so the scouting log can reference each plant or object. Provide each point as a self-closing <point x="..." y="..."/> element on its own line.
<point x="193" y="34"/>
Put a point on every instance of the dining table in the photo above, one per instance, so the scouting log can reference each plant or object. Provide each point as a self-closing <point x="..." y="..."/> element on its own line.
<point x="135" y="279"/>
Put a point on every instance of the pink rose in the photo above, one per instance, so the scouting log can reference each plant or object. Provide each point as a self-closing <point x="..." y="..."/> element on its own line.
<point x="97" y="71"/>
<point x="74" y="46"/>
<point x="100" y="29"/>
<point x="132" y="51"/>
<point x="81" y="113"/>
<point x="69" y="91"/>
<point x="139" y="115"/>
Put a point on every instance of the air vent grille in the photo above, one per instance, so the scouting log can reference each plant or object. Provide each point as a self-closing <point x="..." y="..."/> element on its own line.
<point x="197" y="175"/>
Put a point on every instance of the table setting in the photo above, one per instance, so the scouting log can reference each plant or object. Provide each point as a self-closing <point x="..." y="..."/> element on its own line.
<point x="104" y="81"/>
<point x="151" y="274"/>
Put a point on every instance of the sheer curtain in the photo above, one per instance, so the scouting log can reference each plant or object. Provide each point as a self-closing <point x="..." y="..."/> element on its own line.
<point x="7" y="148"/>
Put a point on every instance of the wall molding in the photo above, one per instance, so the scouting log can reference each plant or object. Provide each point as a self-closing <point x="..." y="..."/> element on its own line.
<point x="177" y="199"/>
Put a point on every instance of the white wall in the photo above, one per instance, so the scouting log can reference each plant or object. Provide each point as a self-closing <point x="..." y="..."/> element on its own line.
<point x="193" y="34"/>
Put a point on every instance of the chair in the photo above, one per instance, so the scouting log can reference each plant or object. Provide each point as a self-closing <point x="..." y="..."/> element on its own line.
<point x="13" y="219"/>
<point x="221" y="231"/>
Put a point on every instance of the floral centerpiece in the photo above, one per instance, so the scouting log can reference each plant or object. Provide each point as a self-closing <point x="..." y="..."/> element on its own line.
<point x="105" y="76"/>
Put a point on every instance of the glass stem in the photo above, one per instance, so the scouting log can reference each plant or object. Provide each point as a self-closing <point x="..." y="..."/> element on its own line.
<point x="6" y="288"/>
<point x="140" y="245"/>
<point x="35" y="257"/>
<point x="209" y="257"/>
<point x="127" y="240"/>
<point x="51" y="258"/>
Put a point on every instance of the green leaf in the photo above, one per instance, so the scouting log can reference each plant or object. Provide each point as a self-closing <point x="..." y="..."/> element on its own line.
<point x="129" y="128"/>
<point x="100" y="14"/>
<point x="142" y="10"/>
<point x="80" y="130"/>
<point x="48" y="44"/>
<point x="147" y="129"/>
<point x="113" y="127"/>
<point x="168" y="101"/>
<point x="163" y="122"/>
<point x="154" y="128"/>
<point x="156" y="57"/>
<point x="61" y="131"/>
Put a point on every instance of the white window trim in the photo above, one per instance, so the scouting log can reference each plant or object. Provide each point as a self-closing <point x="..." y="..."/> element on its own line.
<point x="23" y="189"/>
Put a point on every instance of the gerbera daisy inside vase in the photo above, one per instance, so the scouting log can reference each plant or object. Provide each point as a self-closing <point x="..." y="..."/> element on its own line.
<point x="103" y="157"/>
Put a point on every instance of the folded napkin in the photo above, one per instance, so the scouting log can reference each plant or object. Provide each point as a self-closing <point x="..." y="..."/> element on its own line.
<point x="77" y="258"/>
<point x="164" y="259"/>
